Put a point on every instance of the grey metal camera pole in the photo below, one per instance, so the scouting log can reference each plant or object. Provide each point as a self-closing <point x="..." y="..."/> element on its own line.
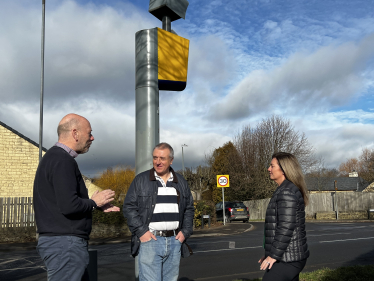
<point x="147" y="119"/>
<point x="146" y="98"/>
<point x="166" y="23"/>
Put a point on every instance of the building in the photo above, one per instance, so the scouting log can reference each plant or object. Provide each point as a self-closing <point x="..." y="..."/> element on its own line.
<point x="339" y="184"/>
<point x="19" y="159"/>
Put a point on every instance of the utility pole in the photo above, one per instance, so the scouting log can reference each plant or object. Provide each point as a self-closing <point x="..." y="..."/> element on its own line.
<point x="183" y="158"/>
<point x="42" y="84"/>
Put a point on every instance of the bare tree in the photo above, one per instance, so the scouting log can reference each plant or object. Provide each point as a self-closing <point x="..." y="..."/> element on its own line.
<point x="199" y="179"/>
<point x="253" y="148"/>
<point x="352" y="164"/>
<point x="363" y="165"/>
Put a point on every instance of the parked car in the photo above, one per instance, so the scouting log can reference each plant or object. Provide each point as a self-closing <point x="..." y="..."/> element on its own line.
<point x="234" y="211"/>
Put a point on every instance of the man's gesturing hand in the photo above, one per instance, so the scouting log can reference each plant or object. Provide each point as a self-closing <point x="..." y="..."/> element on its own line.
<point x="103" y="197"/>
<point x="110" y="208"/>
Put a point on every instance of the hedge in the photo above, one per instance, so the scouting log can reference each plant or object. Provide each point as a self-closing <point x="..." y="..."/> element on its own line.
<point x="112" y="218"/>
<point x="204" y="207"/>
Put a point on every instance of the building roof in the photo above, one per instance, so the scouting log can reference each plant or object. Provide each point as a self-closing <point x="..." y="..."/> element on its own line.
<point x="343" y="183"/>
<point x="21" y="136"/>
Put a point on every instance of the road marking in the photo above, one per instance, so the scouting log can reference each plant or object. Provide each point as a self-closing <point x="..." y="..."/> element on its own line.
<point x="232" y="245"/>
<point x="326" y="234"/>
<point x="227" y="249"/>
<point x="42" y="267"/>
<point x="346" y="240"/>
<point x="203" y="243"/>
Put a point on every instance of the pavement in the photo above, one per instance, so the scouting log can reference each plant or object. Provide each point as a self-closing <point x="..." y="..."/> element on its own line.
<point x="220" y="230"/>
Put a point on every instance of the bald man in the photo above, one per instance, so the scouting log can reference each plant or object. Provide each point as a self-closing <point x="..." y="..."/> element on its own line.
<point x="63" y="211"/>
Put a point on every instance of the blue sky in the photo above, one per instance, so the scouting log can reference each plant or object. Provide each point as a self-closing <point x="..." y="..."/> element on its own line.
<point x="310" y="61"/>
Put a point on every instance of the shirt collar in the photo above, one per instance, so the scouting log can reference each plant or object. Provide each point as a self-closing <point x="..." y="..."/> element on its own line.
<point x="71" y="152"/>
<point x="170" y="179"/>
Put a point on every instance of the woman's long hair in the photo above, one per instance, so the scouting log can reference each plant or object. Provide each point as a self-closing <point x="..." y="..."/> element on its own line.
<point x="292" y="171"/>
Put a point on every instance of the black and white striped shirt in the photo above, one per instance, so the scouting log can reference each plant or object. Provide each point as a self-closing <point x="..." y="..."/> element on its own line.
<point x="166" y="213"/>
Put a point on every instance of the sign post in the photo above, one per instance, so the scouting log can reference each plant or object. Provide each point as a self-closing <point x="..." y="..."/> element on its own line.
<point x="223" y="181"/>
<point x="336" y="200"/>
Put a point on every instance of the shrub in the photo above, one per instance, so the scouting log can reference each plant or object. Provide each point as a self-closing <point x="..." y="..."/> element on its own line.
<point x="113" y="218"/>
<point x="117" y="179"/>
<point x="204" y="207"/>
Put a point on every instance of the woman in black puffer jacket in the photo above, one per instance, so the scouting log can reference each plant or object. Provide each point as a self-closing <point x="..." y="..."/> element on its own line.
<point x="286" y="249"/>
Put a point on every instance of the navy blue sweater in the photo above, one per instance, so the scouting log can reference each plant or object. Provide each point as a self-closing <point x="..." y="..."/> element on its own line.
<point x="61" y="202"/>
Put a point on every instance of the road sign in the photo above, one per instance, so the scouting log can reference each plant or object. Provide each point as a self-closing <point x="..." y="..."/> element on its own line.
<point x="223" y="181"/>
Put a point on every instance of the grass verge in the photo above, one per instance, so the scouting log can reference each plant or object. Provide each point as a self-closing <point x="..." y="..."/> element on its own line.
<point x="347" y="273"/>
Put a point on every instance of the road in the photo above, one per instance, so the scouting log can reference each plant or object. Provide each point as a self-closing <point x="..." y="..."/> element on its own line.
<point x="223" y="258"/>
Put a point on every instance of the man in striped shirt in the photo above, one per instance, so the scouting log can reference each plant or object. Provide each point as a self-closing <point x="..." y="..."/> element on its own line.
<point x="159" y="210"/>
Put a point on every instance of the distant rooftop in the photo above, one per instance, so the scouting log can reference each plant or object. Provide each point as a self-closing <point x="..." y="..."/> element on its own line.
<point x="21" y="136"/>
<point x="342" y="183"/>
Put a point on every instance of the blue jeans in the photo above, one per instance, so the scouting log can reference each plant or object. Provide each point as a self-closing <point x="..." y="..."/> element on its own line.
<point x="159" y="259"/>
<point x="66" y="257"/>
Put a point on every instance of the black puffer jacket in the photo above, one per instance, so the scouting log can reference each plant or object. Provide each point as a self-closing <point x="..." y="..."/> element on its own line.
<point x="285" y="236"/>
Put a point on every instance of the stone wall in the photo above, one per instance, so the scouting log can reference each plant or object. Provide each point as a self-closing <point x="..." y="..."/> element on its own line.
<point x="19" y="160"/>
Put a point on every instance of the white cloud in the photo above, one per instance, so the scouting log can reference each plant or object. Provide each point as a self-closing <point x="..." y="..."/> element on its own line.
<point x="337" y="136"/>
<point x="327" y="78"/>
<point x="88" y="50"/>
<point x="240" y="70"/>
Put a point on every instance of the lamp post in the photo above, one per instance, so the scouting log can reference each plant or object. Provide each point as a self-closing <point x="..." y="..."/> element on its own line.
<point x="42" y="84"/>
<point x="183" y="158"/>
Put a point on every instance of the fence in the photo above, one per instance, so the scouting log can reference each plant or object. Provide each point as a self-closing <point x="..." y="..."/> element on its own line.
<point x="16" y="212"/>
<point x="321" y="202"/>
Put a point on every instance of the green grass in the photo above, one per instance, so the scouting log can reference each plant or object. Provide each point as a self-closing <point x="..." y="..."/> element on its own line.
<point x="348" y="273"/>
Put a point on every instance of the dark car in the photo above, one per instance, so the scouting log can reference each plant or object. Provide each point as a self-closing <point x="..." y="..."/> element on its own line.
<point x="234" y="211"/>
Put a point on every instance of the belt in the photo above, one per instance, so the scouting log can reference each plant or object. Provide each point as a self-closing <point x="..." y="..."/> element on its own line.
<point x="165" y="233"/>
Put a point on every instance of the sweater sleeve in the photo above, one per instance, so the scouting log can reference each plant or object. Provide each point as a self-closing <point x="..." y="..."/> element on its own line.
<point x="286" y="223"/>
<point x="66" y="185"/>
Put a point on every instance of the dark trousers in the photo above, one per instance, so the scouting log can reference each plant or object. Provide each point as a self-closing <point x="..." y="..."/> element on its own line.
<point x="66" y="257"/>
<point x="284" y="271"/>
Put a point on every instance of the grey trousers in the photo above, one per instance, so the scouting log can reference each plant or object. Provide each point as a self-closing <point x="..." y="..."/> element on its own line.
<point x="66" y="257"/>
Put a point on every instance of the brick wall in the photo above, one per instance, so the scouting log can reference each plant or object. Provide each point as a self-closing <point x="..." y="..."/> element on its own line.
<point x="18" y="163"/>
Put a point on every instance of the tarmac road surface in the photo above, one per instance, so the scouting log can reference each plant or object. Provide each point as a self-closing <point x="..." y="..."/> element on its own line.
<point x="217" y="255"/>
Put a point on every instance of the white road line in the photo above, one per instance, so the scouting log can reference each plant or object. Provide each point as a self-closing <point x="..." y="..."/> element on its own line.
<point x="202" y="243"/>
<point x="35" y="267"/>
<point x="346" y="240"/>
<point x="219" y="250"/>
<point x="326" y="234"/>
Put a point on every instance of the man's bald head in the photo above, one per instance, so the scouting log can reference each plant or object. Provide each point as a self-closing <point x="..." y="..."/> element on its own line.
<point x="68" y="123"/>
<point x="75" y="132"/>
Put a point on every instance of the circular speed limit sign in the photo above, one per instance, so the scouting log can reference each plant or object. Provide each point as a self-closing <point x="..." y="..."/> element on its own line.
<point x="223" y="181"/>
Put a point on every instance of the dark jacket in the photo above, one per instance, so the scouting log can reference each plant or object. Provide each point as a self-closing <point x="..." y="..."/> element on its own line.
<point x="285" y="236"/>
<point x="140" y="203"/>
<point x="61" y="202"/>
